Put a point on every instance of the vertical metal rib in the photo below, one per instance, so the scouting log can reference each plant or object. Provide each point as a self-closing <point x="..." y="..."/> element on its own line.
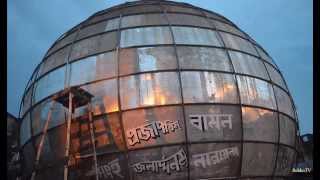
<point x="181" y="91"/>
<point x="278" y="116"/>
<point x="236" y="83"/>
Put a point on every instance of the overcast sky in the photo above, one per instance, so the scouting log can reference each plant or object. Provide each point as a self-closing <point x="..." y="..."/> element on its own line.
<point x="282" y="27"/>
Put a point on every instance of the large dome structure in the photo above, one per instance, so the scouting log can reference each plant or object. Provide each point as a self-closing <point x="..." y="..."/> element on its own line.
<point x="178" y="92"/>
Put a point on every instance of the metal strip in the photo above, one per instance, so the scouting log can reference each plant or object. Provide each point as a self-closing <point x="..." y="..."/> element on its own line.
<point x="169" y="70"/>
<point x="153" y="25"/>
<point x="180" y="88"/>
<point x="297" y="128"/>
<point x="278" y="116"/>
<point x="118" y="49"/>
<point x="177" y="144"/>
<point x="205" y="103"/>
<point x="156" y="45"/>
<point x="238" y="90"/>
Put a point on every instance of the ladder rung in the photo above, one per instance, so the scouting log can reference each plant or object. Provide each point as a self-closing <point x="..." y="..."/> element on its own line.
<point x="79" y="156"/>
<point x="80" y="118"/>
<point x="85" y="118"/>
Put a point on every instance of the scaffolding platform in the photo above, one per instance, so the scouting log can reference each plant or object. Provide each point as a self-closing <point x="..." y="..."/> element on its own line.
<point x="80" y="97"/>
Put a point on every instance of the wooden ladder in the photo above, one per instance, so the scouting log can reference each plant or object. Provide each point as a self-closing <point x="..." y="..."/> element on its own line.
<point x="73" y="98"/>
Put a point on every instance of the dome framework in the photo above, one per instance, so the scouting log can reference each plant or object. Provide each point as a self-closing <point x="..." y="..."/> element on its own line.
<point x="179" y="92"/>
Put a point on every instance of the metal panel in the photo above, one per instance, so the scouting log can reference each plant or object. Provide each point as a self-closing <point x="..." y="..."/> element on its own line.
<point x="49" y="84"/>
<point x="25" y="130"/>
<point x="153" y="127"/>
<point x="159" y="163"/>
<point x="145" y="8"/>
<point x="258" y="159"/>
<point x="53" y="149"/>
<point x="286" y="157"/>
<point x="112" y="167"/>
<point x="145" y="36"/>
<point x="208" y="87"/>
<point x="238" y="43"/>
<point x="92" y="29"/>
<point x="228" y="28"/>
<point x="264" y="56"/>
<point x="27" y="101"/>
<point x="275" y="76"/>
<point x="112" y="24"/>
<point x="180" y="9"/>
<point x="213" y="123"/>
<point x="108" y="134"/>
<point x="40" y="112"/>
<point x="256" y="92"/>
<point x="186" y="19"/>
<point x="284" y="102"/>
<point x="203" y="58"/>
<point x="55" y="60"/>
<point x="147" y="59"/>
<point x="96" y="67"/>
<point x="105" y="97"/>
<point x="94" y="45"/>
<point x="247" y="64"/>
<point x="214" y="160"/>
<point x="149" y="89"/>
<point x="143" y="20"/>
<point x="28" y="157"/>
<point x="287" y="130"/>
<point x="62" y="42"/>
<point x="196" y="36"/>
<point x="259" y="125"/>
<point x="99" y="18"/>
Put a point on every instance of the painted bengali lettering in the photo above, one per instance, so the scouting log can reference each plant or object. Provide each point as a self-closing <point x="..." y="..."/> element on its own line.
<point x="110" y="170"/>
<point x="214" y="157"/>
<point x="205" y="121"/>
<point x="174" y="162"/>
<point x="151" y="130"/>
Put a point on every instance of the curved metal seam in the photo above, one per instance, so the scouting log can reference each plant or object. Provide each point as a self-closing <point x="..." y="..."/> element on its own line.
<point x="278" y="116"/>
<point x="180" y="88"/>
<point x="219" y="37"/>
<point x="118" y="49"/>
<point x="83" y="58"/>
<point x="195" y="104"/>
<point x="91" y="55"/>
<point x="225" y="20"/>
<point x="142" y="26"/>
<point x="159" y="71"/>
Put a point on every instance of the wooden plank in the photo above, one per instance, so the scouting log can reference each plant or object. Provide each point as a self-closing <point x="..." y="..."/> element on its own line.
<point x="44" y="133"/>
<point x="67" y="147"/>
<point x="93" y="141"/>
